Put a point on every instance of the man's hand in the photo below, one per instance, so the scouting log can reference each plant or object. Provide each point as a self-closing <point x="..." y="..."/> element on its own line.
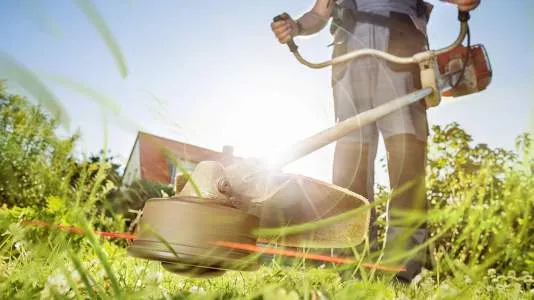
<point x="464" y="5"/>
<point x="285" y="29"/>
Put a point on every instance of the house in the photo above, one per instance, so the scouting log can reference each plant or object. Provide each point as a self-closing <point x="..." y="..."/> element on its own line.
<point x="154" y="158"/>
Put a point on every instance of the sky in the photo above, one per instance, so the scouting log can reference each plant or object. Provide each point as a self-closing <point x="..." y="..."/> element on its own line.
<point x="211" y="73"/>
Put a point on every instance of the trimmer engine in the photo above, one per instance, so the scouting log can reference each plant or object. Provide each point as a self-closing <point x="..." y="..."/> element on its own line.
<point x="469" y="69"/>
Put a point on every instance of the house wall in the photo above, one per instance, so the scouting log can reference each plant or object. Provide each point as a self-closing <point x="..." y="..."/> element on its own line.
<point x="132" y="171"/>
<point x="156" y="166"/>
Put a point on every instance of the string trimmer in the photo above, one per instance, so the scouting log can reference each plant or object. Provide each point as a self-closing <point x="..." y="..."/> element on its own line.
<point x="217" y="205"/>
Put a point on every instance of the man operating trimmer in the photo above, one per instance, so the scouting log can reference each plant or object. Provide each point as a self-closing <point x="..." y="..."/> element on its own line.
<point x="398" y="27"/>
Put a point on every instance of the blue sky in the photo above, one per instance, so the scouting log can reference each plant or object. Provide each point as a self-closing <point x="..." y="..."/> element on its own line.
<point x="211" y="73"/>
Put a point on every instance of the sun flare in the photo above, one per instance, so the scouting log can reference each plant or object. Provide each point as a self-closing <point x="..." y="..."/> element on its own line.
<point x="263" y="128"/>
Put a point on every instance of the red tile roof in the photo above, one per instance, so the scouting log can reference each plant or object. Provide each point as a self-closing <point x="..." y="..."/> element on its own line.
<point x="153" y="156"/>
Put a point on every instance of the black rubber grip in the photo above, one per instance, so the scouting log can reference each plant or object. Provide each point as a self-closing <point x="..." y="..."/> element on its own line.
<point x="291" y="43"/>
<point x="463" y="16"/>
<point x="277" y="18"/>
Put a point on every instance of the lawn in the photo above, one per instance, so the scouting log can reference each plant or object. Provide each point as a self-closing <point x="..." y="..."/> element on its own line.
<point x="481" y="217"/>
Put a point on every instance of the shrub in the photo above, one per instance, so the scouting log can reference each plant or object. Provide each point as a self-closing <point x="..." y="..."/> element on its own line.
<point x="129" y="199"/>
<point x="481" y="204"/>
<point x="35" y="163"/>
<point x="40" y="178"/>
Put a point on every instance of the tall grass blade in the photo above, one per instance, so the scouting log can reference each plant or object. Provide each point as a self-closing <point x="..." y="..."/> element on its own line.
<point x="105" y="33"/>
<point x="27" y="80"/>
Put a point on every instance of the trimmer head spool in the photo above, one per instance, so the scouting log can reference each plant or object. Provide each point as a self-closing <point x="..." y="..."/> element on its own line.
<point x="181" y="232"/>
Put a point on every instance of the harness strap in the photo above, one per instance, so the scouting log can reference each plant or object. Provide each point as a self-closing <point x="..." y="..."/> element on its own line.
<point x="346" y="14"/>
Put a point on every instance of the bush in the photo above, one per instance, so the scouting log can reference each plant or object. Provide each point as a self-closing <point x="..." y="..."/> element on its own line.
<point x="481" y="204"/>
<point x="35" y="163"/>
<point x="39" y="176"/>
<point x="132" y="198"/>
<point x="483" y="201"/>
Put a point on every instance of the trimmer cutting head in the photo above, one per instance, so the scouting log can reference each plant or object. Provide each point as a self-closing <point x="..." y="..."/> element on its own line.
<point x="185" y="232"/>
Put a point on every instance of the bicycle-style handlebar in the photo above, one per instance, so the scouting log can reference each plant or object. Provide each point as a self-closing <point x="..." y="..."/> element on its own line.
<point x="463" y="17"/>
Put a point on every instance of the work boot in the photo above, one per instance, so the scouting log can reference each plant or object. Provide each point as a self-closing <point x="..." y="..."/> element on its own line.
<point x="354" y="170"/>
<point x="401" y="240"/>
<point x="406" y="166"/>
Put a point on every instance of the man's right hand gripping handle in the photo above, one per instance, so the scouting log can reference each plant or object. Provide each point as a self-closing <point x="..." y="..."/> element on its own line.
<point x="284" y="28"/>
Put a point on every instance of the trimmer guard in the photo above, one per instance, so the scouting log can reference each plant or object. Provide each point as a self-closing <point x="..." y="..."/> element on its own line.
<point x="302" y="200"/>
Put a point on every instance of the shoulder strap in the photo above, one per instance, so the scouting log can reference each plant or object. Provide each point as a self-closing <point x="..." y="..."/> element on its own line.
<point x="424" y="9"/>
<point x="343" y="14"/>
<point x="346" y="12"/>
<point x="348" y="4"/>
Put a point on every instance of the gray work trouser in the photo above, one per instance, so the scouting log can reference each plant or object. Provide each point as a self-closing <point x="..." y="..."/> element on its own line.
<point x="368" y="82"/>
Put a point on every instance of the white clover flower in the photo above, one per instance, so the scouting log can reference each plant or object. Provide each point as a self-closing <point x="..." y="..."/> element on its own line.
<point x="101" y="273"/>
<point x="467" y="279"/>
<point x="165" y="292"/>
<point x="21" y="249"/>
<point x="58" y="282"/>
<point x="155" y="277"/>
<point x="196" y="290"/>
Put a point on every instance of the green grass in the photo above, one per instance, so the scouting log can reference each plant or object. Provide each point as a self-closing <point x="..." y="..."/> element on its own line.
<point x="112" y="274"/>
<point x="482" y="250"/>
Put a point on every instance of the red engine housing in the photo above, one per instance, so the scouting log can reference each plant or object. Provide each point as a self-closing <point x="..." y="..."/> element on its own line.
<point x="476" y="75"/>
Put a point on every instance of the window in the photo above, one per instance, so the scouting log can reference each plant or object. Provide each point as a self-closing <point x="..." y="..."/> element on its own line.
<point x="172" y="172"/>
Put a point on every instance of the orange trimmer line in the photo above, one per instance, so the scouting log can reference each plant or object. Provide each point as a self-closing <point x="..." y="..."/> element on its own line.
<point x="231" y="245"/>
<point x="312" y="256"/>
<point x="77" y="230"/>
